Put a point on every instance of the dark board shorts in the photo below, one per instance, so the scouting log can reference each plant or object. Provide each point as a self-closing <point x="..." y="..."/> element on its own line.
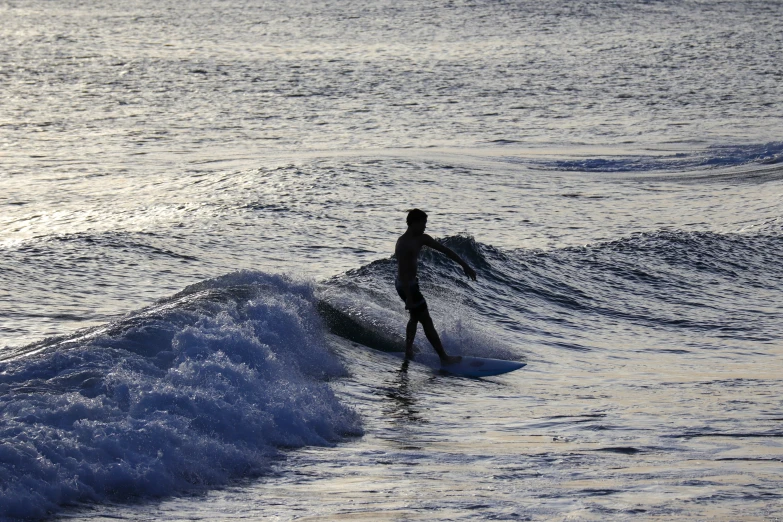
<point x="419" y="302"/>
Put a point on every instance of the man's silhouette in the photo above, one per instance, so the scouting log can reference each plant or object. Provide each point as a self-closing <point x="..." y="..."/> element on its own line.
<point x="407" y="283"/>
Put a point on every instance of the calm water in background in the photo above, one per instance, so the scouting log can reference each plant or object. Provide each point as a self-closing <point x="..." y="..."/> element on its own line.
<point x="612" y="169"/>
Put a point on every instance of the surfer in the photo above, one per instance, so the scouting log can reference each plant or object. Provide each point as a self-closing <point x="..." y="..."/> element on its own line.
<point x="407" y="283"/>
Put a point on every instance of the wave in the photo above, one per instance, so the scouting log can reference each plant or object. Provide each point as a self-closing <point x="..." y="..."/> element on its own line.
<point x="719" y="285"/>
<point x="139" y="243"/>
<point x="190" y="393"/>
<point x="716" y="156"/>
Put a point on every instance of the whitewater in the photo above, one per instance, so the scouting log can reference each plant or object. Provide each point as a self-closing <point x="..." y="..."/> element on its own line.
<point x="198" y="210"/>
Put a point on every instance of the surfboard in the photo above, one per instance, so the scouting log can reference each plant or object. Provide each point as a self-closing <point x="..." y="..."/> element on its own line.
<point x="468" y="366"/>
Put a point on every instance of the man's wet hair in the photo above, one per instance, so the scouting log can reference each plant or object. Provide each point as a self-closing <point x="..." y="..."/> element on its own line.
<point x="415" y="215"/>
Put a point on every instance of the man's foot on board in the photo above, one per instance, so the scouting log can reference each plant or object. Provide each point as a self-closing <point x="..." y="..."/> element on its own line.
<point x="450" y="359"/>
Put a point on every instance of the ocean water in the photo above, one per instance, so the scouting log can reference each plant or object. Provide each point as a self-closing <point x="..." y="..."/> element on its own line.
<point x="198" y="208"/>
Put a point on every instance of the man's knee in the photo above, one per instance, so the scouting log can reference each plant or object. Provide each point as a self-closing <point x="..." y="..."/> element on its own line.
<point x="421" y="315"/>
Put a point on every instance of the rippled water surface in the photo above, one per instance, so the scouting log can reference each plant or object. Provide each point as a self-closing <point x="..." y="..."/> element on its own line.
<point x="192" y="194"/>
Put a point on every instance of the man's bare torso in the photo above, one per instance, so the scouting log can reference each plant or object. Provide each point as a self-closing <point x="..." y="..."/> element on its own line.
<point x="407" y="253"/>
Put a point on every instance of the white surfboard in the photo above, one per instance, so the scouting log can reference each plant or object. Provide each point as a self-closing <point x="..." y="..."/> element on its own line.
<point x="468" y="366"/>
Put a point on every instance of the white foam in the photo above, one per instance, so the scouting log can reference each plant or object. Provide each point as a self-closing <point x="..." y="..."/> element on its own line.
<point x="192" y="393"/>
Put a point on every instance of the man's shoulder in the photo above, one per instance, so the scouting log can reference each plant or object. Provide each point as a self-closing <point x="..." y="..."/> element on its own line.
<point x="427" y="239"/>
<point x="411" y="243"/>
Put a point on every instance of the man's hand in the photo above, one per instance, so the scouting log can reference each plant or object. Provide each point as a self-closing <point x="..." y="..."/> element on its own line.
<point x="469" y="272"/>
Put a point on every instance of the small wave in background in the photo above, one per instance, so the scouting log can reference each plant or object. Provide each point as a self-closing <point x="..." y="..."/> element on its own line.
<point x="714" y="156"/>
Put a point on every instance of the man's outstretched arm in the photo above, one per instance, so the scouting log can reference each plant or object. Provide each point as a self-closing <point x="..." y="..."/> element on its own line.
<point x="451" y="254"/>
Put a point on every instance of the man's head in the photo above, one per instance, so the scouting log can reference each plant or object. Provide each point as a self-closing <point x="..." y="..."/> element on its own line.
<point x="417" y="219"/>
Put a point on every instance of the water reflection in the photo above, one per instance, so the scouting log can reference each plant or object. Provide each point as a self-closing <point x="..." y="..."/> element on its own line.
<point x="402" y="407"/>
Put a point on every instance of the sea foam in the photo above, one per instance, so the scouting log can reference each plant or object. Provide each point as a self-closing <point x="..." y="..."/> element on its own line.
<point x="190" y="393"/>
